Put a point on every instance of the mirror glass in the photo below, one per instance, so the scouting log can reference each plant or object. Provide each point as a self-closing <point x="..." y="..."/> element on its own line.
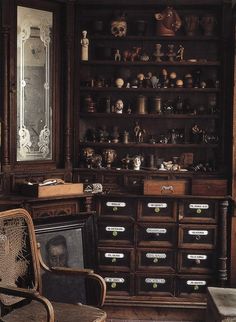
<point x="34" y="90"/>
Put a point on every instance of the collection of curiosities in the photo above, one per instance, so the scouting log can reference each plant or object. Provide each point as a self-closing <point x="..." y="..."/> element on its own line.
<point x="168" y="23"/>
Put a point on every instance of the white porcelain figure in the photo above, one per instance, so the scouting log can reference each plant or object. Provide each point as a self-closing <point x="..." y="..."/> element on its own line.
<point x="85" y="46"/>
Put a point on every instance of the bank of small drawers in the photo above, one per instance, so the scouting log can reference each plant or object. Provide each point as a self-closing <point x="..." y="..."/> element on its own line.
<point x="159" y="247"/>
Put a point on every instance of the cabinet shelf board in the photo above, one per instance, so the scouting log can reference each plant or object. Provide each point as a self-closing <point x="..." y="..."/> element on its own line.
<point x="149" y="90"/>
<point x="148" y="145"/>
<point x="154" y="38"/>
<point x="150" y="63"/>
<point x="148" y="116"/>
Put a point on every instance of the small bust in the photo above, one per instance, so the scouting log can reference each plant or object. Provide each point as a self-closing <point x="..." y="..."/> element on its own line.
<point x="137" y="160"/>
<point x="119" y="105"/>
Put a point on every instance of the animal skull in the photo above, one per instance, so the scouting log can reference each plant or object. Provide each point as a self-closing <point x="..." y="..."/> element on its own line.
<point x="119" y="28"/>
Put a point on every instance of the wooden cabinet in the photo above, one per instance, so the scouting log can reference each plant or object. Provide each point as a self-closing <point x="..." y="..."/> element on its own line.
<point x="161" y="99"/>
<point x="162" y="257"/>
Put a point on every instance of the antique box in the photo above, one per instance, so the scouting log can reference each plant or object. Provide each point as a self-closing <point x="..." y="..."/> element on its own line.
<point x="54" y="190"/>
<point x="166" y="187"/>
<point x="209" y="187"/>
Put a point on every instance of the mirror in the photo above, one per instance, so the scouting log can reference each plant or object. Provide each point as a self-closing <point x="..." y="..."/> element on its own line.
<point x="34" y="90"/>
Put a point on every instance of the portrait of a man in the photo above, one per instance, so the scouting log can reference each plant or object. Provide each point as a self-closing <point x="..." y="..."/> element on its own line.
<point x="62" y="248"/>
<point x="57" y="252"/>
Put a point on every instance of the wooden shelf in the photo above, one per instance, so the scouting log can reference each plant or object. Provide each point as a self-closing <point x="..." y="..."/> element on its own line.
<point x="149" y="63"/>
<point x="148" y="116"/>
<point x="154" y="38"/>
<point x="149" y="90"/>
<point x="148" y="145"/>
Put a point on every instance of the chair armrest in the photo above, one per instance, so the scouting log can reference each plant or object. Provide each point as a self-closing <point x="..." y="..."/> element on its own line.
<point x="89" y="274"/>
<point x="32" y="295"/>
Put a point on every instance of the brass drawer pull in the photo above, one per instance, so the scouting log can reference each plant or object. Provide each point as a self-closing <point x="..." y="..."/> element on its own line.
<point x="167" y="188"/>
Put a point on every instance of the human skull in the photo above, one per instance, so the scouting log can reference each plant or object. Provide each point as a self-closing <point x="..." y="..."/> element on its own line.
<point x="119" y="28"/>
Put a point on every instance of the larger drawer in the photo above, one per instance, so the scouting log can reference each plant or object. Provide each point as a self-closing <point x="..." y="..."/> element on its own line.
<point x="197" y="236"/>
<point x="116" y="233"/>
<point x="159" y="235"/>
<point x="119" y="259"/>
<point x="193" y="285"/>
<point x="198" y="211"/>
<point x="54" y="209"/>
<point x="196" y="261"/>
<point x="156" y="260"/>
<point x="118" y="207"/>
<point x="157" y="209"/>
<point x="119" y="283"/>
<point x="154" y="285"/>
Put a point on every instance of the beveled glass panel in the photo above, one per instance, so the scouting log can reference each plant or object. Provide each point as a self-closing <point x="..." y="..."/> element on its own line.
<point x="34" y="90"/>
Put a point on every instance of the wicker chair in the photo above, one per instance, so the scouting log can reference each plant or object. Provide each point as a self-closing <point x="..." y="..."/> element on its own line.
<point x="20" y="280"/>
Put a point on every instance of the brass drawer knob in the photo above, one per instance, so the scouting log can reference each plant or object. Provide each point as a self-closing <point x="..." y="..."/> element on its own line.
<point x="114" y="233"/>
<point x="154" y="285"/>
<point x="113" y="260"/>
<point x="157" y="209"/>
<point x="113" y="285"/>
<point x="114" y="209"/>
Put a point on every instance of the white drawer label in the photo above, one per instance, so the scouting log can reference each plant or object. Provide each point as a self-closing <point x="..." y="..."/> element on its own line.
<point x="157" y="205"/>
<point x="198" y="232"/>
<point x="203" y="257"/>
<point x="200" y="283"/>
<point x="198" y="206"/>
<point x="114" y="280"/>
<point x="115" y="204"/>
<point x="155" y="255"/>
<point x="114" y="255"/>
<point x="109" y="228"/>
<point x="156" y="230"/>
<point x="155" y="280"/>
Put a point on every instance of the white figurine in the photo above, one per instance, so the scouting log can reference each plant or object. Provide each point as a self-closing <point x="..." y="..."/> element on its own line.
<point x="180" y="53"/>
<point x="85" y="44"/>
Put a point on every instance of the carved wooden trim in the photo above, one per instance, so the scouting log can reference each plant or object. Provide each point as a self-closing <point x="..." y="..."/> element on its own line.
<point x="222" y="249"/>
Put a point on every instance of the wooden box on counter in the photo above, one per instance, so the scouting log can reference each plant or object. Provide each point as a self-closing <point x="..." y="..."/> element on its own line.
<point x="166" y="187"/>
<point x="209" y="187"/>
<point x="65" y="189"/>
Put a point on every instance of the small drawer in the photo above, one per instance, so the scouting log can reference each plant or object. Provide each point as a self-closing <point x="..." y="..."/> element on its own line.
<point x="198" y="211"/>
<point x="54" y="209"/>
<point x="155" y="209"/>
<point x="112" y="182"/>
<point x="117" y="233"/>
<point x="195" y="261"/>
<point x="193" y="286"/>
<point x="159" y="235"/>
<point x="134" y="183"/>
<point x="197" y="236"/>
<point x="158" y="260"/>
<point x="119" y="283"/>
<point x="115" y="259"/>
<point x="118" y="207"/>
<point x="154" y="285"/>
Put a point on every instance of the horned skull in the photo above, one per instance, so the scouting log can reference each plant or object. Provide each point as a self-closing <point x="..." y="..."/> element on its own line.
<point x="119" y="28"/>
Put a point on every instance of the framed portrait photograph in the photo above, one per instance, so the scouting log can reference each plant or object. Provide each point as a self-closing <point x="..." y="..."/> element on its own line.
<point x="66" y="242"/>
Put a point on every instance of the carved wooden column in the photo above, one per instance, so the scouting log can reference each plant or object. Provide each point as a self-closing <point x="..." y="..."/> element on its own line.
<point x="222" y="245"/>
<point x="70" y="18"/>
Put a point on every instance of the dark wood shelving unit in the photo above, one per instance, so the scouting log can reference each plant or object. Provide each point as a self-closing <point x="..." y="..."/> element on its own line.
<point x="127" y="219"/>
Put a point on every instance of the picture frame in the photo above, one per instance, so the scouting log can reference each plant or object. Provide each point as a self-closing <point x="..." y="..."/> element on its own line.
<point x="66" y="242"/>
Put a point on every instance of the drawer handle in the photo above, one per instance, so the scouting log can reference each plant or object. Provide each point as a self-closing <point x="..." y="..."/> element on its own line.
<point x="155" y="260"/>
<point x="198" y="261"/>
<point x="196" y="288"/>
<point x="114" y="233"/>
<point x="157" y="209"/>
<point x="167" y="188"/>
<point x="198" y="237"/>
<point x="199" y="211"/>
<point x="113" y="260"/>
<point x="113" y="285"/>
<point x="154" y="285"/>
<point x="115" y="209"/>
